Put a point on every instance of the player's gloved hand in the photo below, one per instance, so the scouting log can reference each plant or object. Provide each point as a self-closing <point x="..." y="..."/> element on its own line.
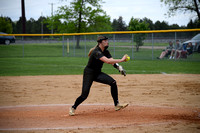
<point x="121" y="70"/>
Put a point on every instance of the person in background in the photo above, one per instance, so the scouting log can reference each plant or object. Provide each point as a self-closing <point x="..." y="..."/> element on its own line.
<point x="189" y="48"/>
<point x="175" y="49"/>
<point x="180" y="52"/>
<point x="167" y="51"/>
<point x="184" y="51"/>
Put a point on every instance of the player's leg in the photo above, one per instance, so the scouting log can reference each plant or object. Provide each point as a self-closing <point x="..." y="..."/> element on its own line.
<point x="88" y="78"/>
<point x="163" y="54"/>
<point x="172" y="54"/>
<point x="106" y="79"/>
<point x="179" y="54"/>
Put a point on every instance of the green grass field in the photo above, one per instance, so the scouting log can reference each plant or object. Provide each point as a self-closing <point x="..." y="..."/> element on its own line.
<point x="60" y="50"/>
<point x="48" y="59"/>
<point x="75" y="65"/>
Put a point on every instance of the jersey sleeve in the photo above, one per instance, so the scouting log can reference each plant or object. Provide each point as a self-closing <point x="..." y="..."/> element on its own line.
<point x="98" y="54"/>
<point x="108" y="55"/>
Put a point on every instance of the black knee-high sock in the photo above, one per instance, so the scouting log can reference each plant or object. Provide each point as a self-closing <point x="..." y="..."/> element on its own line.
<point x="114" y="92"/>
<point x="78" y="101"/>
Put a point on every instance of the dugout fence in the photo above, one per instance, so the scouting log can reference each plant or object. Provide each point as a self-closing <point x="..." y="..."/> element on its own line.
<point x="124" y="42"/>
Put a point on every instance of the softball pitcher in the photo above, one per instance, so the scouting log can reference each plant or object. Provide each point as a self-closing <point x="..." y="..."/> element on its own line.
<point x="92" y="72"/>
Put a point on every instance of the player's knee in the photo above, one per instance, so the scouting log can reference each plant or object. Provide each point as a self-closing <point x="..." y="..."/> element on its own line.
<point x="113" y="83"/>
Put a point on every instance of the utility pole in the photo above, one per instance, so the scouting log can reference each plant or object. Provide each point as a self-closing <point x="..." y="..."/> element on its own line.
<point x="52" y="17"/>
<point x="23" y="17"/>
<point x="42" y="25"/>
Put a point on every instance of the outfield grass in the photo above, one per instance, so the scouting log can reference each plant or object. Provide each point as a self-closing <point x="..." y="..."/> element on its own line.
<point x="48" y="59"/>
<point x="75" y="65"/>
<point x="60" y="50"/>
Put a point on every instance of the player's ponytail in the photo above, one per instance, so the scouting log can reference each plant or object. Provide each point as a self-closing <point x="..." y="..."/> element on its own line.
<point x="92" y="49"/>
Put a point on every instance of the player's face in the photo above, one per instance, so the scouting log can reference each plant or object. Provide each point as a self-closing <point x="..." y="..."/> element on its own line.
<point x="105" y="43"/>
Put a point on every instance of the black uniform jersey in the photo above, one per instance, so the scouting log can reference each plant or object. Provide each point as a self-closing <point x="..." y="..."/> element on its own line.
<point x="94" y="62"/>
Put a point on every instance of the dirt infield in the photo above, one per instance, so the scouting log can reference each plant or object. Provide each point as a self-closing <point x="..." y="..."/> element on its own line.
<point x="158" y="103"/>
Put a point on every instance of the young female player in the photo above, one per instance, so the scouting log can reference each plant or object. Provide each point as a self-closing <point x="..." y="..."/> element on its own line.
<point x="92" y="72"/>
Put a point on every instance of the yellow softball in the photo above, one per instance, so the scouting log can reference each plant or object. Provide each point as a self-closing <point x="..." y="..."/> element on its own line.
<point x="127" y="58"/>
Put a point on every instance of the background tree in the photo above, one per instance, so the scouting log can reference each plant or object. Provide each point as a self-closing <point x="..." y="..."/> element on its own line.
<point x="119" y="24"/>
<point x="6" y="25"/>
<point x="41" y="25"/>
<point x="56" y="22"/>
<point x="31" y="26"/>
<point x="18" y="26"/>
<point x="82" y="16"/>
<point x="99" y="24"/>
<point x="174" y="26"/>
<point x="136" y="25"/>
<point x="114" y="25"/>
<point x="193" y="24"/>
<point x="161" y="25"/>
<point x="150" y="22"/>
<point x="191" y="6"/>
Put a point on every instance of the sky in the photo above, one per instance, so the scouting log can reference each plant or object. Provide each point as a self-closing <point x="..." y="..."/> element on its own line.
<point x="152" y="9"/>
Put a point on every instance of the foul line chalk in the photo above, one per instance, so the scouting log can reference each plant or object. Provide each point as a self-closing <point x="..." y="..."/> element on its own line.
<point x="85" y="127"/>
<point x="95" y="104"/>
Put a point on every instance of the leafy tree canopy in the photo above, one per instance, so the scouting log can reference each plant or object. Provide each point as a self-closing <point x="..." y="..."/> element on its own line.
<point x="6" y="25"/>
<point x="81" y="16"/>
<point x="138" y="25"/>
<point x="183" y="6"/>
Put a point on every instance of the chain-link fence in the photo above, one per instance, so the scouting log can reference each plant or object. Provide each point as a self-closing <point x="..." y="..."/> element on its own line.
<point x="146" y="45"/>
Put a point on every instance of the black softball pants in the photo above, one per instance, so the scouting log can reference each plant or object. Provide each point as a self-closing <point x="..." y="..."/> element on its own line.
<point x="88" y="78"/>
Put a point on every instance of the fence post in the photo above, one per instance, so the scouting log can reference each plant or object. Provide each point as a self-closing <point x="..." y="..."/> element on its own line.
<point x="23" y="46"/>
<point x="175" y="37"/>
<point x="152" y="47"/>
<point x="67" y="46"/>
<point x="74" y="45"/>
<point x="175" y="43"/>
<point x="85" y="44"/>
<point x="132" y="45"/>
<point x="63" y="46"/>
<point x="114" y="43"/>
